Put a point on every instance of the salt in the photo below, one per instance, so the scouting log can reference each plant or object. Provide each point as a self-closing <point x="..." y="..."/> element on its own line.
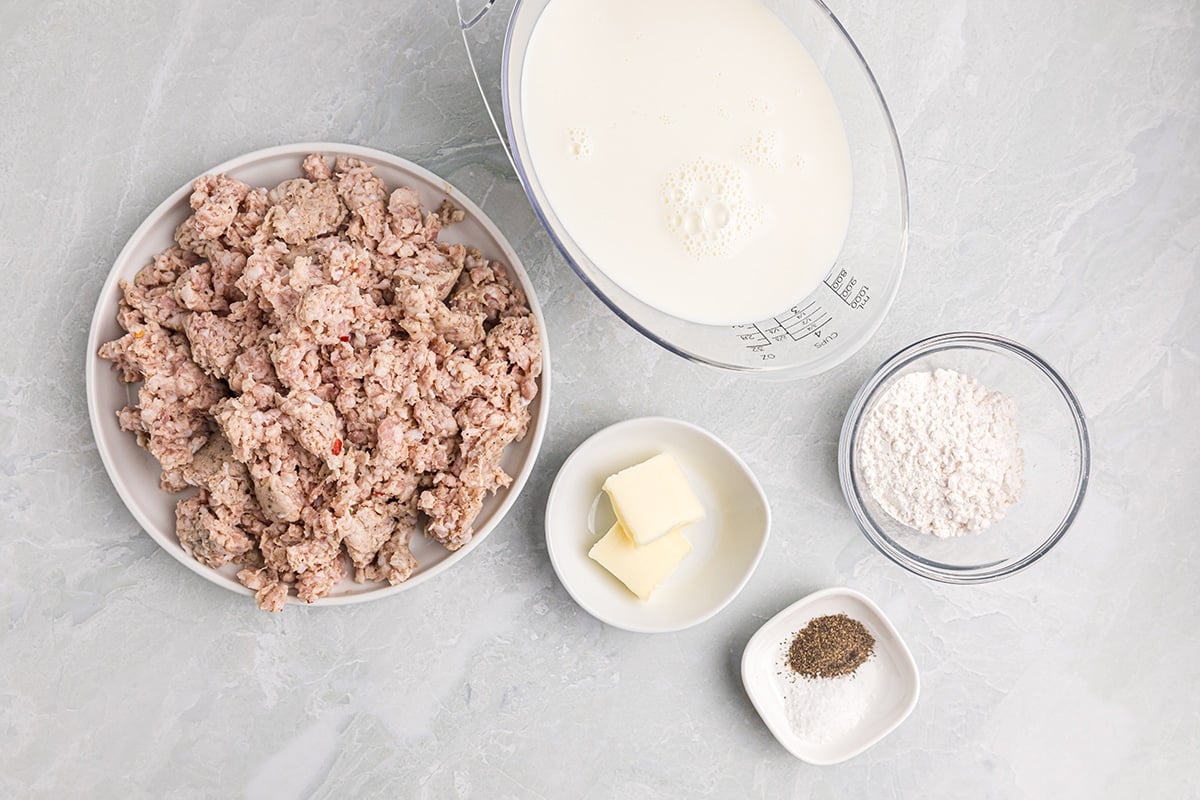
<point x="823" y="710"/>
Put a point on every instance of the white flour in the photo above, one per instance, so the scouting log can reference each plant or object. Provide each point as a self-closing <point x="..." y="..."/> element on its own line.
<point x="940" y="453"/>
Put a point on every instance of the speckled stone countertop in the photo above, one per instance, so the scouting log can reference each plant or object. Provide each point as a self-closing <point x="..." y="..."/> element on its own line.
<point x="1054" y="158"/>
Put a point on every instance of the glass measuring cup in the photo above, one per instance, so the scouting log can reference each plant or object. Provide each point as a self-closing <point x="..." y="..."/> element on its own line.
<point x="806" y="337"/>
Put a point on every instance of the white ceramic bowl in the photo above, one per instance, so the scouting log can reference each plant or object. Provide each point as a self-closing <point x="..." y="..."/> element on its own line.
<point x="135" y="473"/>
<point x="897" y="681"/>
<point x="726" y="545"/>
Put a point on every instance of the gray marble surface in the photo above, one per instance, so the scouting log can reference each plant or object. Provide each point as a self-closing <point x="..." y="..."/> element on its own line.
<point x="1054" y="157"/>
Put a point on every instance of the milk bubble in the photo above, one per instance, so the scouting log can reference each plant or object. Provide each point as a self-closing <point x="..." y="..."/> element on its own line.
<point x="763" y="148"/>
<point x="579" y="143"/>
<point x="761" y="105"/>
<point x="708" y="207"/>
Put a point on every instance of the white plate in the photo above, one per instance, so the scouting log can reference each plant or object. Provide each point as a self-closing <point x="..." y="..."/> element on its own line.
<point x="135" y="473"/>
<point x="896" y="672"/>
<point x="726" y="545"/>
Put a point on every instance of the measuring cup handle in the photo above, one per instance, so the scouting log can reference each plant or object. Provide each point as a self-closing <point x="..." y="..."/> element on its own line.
<point x="467" y="21"/>
<point x="489" y="86"/>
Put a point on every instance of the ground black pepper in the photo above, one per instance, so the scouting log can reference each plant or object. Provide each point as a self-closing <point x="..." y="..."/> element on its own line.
<point x="830" y="646"/>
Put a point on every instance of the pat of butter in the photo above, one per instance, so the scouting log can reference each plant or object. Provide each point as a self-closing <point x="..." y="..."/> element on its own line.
<point x="640" y="568"/>
<point x="653" y="498"/>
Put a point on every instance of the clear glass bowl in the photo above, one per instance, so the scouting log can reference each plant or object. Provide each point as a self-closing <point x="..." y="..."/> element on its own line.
<point x="1053" y="434"/>
<point x="804" y="338"/>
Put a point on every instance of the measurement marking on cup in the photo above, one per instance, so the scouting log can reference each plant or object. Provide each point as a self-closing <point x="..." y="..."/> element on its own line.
<point x="847" y="288"/>
<point x="803" y="322"/>
<point x="755" y="339"/>
<point x="811" y="327"/>
<point x="795" y="325"/>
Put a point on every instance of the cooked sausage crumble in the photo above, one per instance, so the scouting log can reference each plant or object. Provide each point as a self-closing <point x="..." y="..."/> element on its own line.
<point x="327" y="374"/>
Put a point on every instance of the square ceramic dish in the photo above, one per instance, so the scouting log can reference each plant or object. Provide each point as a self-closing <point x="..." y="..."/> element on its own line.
<point x="898" y="683"/>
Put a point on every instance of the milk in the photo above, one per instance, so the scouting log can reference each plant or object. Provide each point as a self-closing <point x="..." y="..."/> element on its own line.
<point x="692" y="150"/>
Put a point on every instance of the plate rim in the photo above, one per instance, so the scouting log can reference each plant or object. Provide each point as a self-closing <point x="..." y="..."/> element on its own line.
<point x="170" y="543"/>
<point x="760" y="494"/>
